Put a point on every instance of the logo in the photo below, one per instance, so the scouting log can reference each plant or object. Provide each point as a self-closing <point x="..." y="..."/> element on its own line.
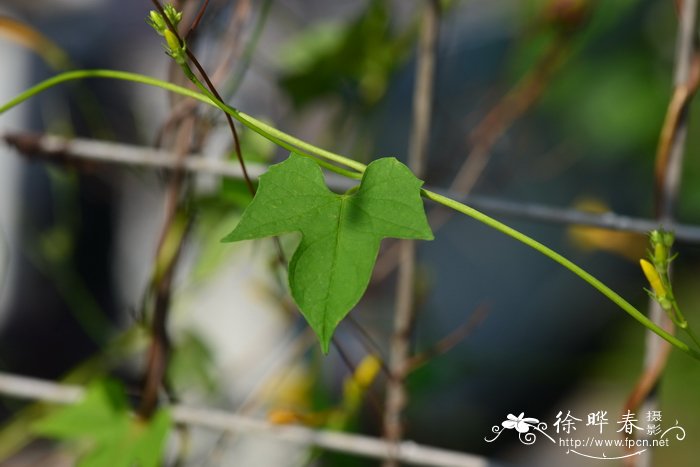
<point x="597" y="435"/>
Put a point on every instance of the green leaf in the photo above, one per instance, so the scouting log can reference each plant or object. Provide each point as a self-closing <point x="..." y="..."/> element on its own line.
<point x="332" y="265"/>
<point x="98" y="415"/>
<point x="115" y="436"/>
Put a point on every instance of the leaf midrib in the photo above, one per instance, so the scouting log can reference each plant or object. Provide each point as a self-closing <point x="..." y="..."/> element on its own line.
<point x="341" y="207"/>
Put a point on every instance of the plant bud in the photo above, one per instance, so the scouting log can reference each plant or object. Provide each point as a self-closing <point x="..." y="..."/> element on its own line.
<point x="654" y="279"/>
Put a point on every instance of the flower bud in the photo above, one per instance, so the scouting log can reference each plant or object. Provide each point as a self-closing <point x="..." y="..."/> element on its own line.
<point x="172" y="14"/>
<point x="654" y="279"/>
<point x="156" y="21"/>
<point x="172" y="40"/>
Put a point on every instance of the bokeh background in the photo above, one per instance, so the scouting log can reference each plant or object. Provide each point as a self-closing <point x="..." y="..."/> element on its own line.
<point x="566" y="96"/>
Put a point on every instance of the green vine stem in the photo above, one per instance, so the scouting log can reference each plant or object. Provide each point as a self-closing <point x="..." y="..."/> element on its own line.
<point x="294" y="144"/>
<point x="580" y="272"/>
<point x="278" y="137"/>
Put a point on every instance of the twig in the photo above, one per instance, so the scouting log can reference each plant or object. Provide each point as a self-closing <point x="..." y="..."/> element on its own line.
<point x="445" y="344"/>
<point x="396" y="396"/>
<point x="669" y="157"/>
<point x="197" y="20"/>
<point x="214" y="92"/>
<point x="669" y="164"/>
<point x="89" y="153"/>
<point x="511" y="107"/>
<point x="506" y="112"/>
<point x="246" y="57"/>
<point x="408" y="452"/>
<point x="232" y="40"/>
<point x="172" y="238"/>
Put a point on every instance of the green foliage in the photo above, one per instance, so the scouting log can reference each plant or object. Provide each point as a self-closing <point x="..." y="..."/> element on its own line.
<point x="599" y="120"/>
<point x="356" y="58"/>
<point x="191" y="364"/>
<point x="332" y="265"/>
<point x="115" y="437"/>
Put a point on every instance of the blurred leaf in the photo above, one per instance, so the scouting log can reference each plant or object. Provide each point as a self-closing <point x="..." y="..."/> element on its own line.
<point x="355" y="60"/>
<point x="235" y="192"/>
<point x="213" y="222"/>
<point x="332" y="265"/>
<point x="56" y="244"/>
<point x="103" y="419"/>
<point x="613" y="106"/>
<point x="98" y="415"/>
<point x="191" y="363"/>
<point x="611" y="100"/>
<point x="302" y="52"/>
<point x="256" y="148"/>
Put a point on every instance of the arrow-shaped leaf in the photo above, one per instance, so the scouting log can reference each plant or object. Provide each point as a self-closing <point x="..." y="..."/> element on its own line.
<point x="332" y="265"/>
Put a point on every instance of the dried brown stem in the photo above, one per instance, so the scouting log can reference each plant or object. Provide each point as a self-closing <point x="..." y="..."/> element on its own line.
<point x="452" y="339"/>
<point x="197" y="19"/>
<point x="396" y="396"/>
<point x="495" y="123"/>
<point x="669" y="164"/>
<point x="240" y="16"/>
<point x="164" y="267"/>
<point x="203" y="74"/>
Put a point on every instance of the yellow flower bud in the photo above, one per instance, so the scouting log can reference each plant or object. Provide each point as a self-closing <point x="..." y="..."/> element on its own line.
<point x="356" y="385"/>
<point x="654" y="279"/>
<point x="367" y="370"/>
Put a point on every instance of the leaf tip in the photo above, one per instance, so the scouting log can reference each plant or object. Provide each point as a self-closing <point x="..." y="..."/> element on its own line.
<point x="229" y="238"/>
<point x="325" y="346"/>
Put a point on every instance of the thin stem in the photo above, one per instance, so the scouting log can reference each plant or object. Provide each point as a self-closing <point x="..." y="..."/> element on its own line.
<point x="197" y="20"/>
<point x="214" y="94"/>
<point x="310" y="150"/>
<point x="602" y="288"/>
<point x="405" y="307"/>
<point x="109" y="74"/>
<point x="256" y="125"/>
<point x="688" y="330"/>
<point x="273" y="134"/>
<point x="210" y="90"/>
<point x="667" y="178"/>
<point x="683" y="323"/>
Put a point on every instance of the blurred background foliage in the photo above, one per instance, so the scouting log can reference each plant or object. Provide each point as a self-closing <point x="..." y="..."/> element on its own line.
<point x="597" y="78"/>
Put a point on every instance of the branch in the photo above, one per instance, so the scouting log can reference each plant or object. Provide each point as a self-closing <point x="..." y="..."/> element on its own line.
<point x="87" y="153"/>
<point x="669" y="157"/>
<point x="669" y="165"/>
<point x="408" y="452"/>
<point x="399" y="357"/>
